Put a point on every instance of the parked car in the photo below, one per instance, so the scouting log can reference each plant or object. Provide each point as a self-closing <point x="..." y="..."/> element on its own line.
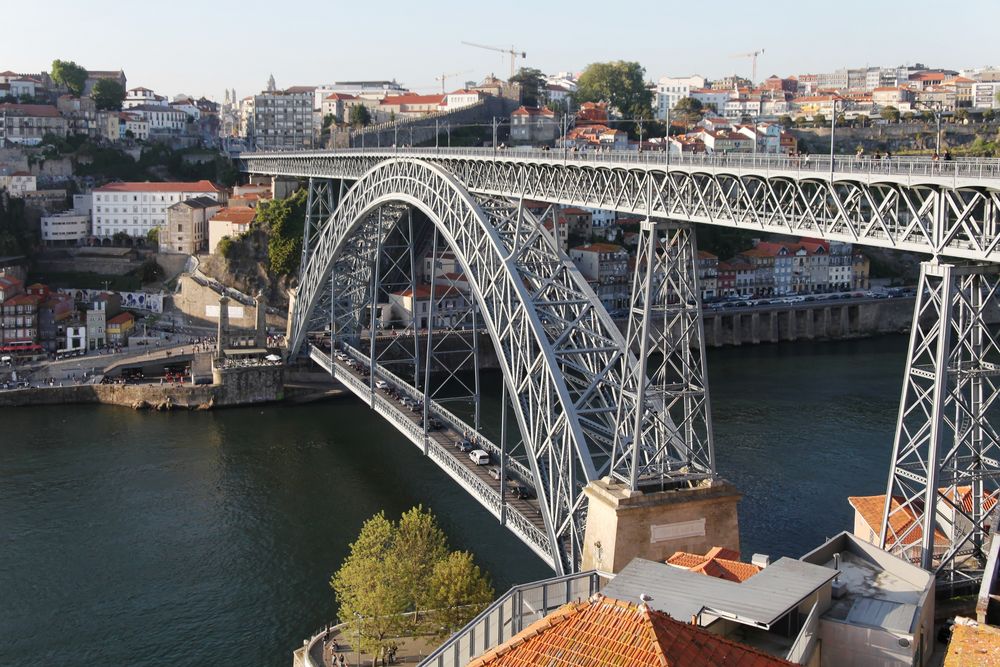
<point x="494" y="472"/>
<point x="464" y="445"/>
<point x="381" y="384"/>
<point x="480" y="457"/>
<point x="521" y="492"/>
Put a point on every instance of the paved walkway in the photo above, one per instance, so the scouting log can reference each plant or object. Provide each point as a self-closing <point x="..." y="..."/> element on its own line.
<point x="411" y="650"/>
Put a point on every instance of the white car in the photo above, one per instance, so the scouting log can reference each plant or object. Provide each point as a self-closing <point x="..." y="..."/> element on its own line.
<point x="480" y="457"/>
<point x="381" y="384"/>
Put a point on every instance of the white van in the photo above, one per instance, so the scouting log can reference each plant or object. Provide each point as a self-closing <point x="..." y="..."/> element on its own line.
<point x="381" y="384"/>
<point x="479" y="457"/>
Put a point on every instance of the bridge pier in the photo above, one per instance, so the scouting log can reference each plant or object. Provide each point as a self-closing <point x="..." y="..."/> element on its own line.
<point x="623" y="524"/>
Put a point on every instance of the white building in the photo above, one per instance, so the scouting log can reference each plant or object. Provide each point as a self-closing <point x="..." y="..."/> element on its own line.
<point x="984" y="95"/>
<point x="70" y="227"/>
<point x="161" y="118"/>
<point x="672" y="89"/>
<point x="412" y="307"/>
<point x="137" y="96"/>
<point x="137" y="125"/>
<point x="457" y="99"/>
<point x="232" y="222"/>
<point x="138" y="208"/>
<point x="605" y="266"/>
<point x="710" y="98"/>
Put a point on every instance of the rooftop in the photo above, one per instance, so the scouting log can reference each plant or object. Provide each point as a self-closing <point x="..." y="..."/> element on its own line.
<point x="608" y="632"/>
<point x="237" y="215"/>
<point x="718" y="562"/>
<point x="600" y="247"/>
<point x="973" y="645"/>
<point x="169" y="186"/>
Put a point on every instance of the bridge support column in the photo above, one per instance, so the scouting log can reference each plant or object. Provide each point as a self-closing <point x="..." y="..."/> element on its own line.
<point x="946" y="451"/>
<point x="624" y="524"/>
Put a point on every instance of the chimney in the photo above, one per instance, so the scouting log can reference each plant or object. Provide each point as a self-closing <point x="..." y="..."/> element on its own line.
<point x="760" y="560"/>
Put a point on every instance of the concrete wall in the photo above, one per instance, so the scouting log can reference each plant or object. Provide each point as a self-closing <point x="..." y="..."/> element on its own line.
<point x="192" y="300"/>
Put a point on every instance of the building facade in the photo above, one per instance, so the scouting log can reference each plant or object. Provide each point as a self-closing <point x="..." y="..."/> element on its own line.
<point x="137" y="208"/>
<point x="186" y="230"/>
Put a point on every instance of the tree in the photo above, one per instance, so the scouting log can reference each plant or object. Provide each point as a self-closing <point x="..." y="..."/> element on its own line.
<point x="689" y="110"/>
<point x="68" y="73"/>
<point x="927" y="116"/>
<point x="225" y="246"/>
<point x="786" y="122"/>
<point x="153" y="236"/>
<point x="457" y="591"/>
<point x="862" y="120"/>
<point x="989" y="115"/>
<point x="120" y="238"/>
<point x="283" y="219"/>
<point x="532" y="83"/>
<point x="359" y="116"/>
<point x="890" y="113"/>
<point x="622" y="84"/>
<point x="908" y="116"/>
<point x="108" y="95"/>
<point x="150" y="272"/>
<point x="961" y="115"/>
<point x="819" y="120"/>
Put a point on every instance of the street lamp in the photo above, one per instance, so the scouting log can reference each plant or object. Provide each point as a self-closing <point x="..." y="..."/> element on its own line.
<point x="833" y="129"/>
<point x="358" y="649"/>
<point x="936" y="110"/>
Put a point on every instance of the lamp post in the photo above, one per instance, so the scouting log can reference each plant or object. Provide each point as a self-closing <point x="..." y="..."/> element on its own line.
<point x="833" y="130"/>
<point x="358" y="650"/>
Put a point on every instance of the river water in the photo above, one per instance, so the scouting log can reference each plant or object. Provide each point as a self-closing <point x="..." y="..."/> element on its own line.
<point x="208" y="538"/>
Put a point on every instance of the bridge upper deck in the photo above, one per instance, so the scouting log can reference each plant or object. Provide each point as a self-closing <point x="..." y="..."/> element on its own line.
<point x="909" y="171"/>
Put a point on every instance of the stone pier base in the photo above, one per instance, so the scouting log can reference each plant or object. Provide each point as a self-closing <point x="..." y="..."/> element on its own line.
<point x="624" y="524"/>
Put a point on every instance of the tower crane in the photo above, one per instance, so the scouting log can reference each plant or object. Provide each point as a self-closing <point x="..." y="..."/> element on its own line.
<point x="753" y="56"/>
<point x="512" y="52"/>
<point x="445" y="77"/>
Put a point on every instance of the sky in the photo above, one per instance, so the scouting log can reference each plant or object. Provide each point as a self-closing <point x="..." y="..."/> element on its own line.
<point x="204" y="47"/>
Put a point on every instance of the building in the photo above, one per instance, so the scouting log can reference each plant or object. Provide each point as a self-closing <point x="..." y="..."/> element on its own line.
<point x="68" y="228"/>
<point x="137" y="208"/>
<point x="18" y="183"/>
<point x="708" y="274"/>
<point x="672" y="89"/>
<point x="26" y="124"/>
<point x="94" y="75"/>
<point x="19" y="323"/>
<point x="102" y="308"/>
<point x="283" y="119"/>
<point x="132" y="126"/>
<point x="160" y="118"/>
<point x="605" y="266"/>
<point x="411" y="307"/>
<point x="606" y="631"/>
<point x="55" y="312"/>
<point x="463" y="97"/>
<point x="726" y="141"/>
<point x="186" y="230"/>
<point x="138" y="96"/>
<point x="578" y="222"/>
<point x="339" y="106"/>
<point x="231" y="222"/>
<point x="533" y="125"/>
<point x="410" y="105"/>
<point x="119" y="328"/>
<point x="984" y="95"/>
<point x="717" y="562"/>
<point x="9" y="287"/>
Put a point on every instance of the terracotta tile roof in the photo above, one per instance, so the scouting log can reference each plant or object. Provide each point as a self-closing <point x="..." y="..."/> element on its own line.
<point x="36" y="110"/>
<point x="237" y="215"/>
<point x="424" y="291"/>
<point x="172" y="186"/>
<point x="604" y="632"/>
<point x="393" y="100"/>
<point x="600" y="247"/>
<point x="871" y="507"/>
<point x="121" y="318"/>
<point x="719" y="562"/>
<point x="973" y="646"/>
<point x="533" y="111"/>
<point x="341" y="96"/>
<point x="704" y="254"/>
<point x="23" y="300"/>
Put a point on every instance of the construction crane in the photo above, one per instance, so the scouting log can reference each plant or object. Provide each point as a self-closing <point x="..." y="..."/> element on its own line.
<point x="753" y="56"/>
<point x="512" y="52"/>
<point x="445" y="77"/>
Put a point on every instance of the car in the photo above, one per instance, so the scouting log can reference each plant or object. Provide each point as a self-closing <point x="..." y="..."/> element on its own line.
<point x="521" y="492"/>
<point x="381" y="384"/>
<point x="464" y="445"/>
<point x="434" y="424"/>
<point x="480" y="457"/>
<point x="494" y="472"/>
<point x="809" y="298"/>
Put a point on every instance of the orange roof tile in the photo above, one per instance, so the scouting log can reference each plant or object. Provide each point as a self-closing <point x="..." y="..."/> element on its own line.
<point x="172" y="186"/>
<point x="121" y="318"/>
<point x="719" y="562"/>
<point x="610" y="633"/>
<point x="238" y="215"/>
<point x="973" y="646"/>
<point x="871" y="507"/>
<point x="600" y="247"/>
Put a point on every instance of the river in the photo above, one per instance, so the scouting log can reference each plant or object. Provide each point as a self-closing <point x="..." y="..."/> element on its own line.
<point x="208" y="538"/>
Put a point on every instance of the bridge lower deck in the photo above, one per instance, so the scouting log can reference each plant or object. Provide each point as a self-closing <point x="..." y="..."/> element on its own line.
<point x="522" y="516"/>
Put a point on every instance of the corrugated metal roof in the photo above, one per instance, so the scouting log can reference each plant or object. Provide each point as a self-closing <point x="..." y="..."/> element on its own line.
<point x="882" y="614"/>
<point x="758" y="601"/>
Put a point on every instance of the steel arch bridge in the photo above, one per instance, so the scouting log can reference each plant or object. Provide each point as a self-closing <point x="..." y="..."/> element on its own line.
<point x="589" y="402"/>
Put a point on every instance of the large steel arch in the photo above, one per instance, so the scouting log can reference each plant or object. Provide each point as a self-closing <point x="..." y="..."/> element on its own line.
<point x="561" y="356"/>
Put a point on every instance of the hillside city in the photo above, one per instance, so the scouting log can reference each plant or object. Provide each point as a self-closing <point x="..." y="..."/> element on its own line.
<point x="138" y="252"/>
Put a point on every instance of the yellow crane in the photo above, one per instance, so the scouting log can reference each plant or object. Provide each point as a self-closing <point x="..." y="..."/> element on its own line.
<point x="445" y="77"/>
<point x="753" y="56"/>
<point x="512" y="52"/>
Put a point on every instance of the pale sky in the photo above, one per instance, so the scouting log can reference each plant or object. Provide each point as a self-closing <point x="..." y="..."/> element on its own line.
<point x="204" y="47"/>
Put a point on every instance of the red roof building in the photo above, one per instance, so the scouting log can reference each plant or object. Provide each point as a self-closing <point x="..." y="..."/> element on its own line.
<point x="604" y="632"/>
<point x="719" y="562"/>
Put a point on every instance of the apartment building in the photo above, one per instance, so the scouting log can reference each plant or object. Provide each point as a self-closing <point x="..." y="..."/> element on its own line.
<point x="605" y="266"/>
<point x="138" y="208"/>
<point x="186" y="230"/>
<point x="282" y="119"/>
<point x="26" y="124"/>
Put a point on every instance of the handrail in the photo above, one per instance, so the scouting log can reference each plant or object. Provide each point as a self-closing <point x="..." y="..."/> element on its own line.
<point x="803" y="644"/>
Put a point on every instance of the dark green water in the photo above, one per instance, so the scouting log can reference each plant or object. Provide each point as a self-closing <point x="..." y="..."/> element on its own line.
<point x="208" y="538"/>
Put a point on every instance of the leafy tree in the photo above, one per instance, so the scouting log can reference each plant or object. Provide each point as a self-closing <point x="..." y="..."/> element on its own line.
<point x="961" y="115"/>
<point x="786" y="122"/>
<point x="457" y="591"/>
<point x="68" y="73"/>
<point x="225" y="246"/>
<point x="532" y="83"/>
<point x="120" y="238"/>
<point x="17" y="235"/>
<point x="150" y="272"/>
<point x="108" y="95"/>
<point x="689" y="110"/>
<point x="890" y="113"/>
<point x="419" y="543"/>
<point x="558" y="106"/>
<point x="359" y="116"/>
<point x="283" y="219"/>
<point x="153" y="236"/>
<point x="622" y="84"/>
<point x="989" y="115"/>
<point x="927" y="116"/>
<point x="862" y="120"/>
<point x="908" y="116"/>
<point x="819" y="120"/>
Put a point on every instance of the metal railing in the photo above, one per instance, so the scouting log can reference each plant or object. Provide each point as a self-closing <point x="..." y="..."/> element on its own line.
<point x="518" y="608"/>
<point x="805" y="643"/>
<point x="766" y="163"/>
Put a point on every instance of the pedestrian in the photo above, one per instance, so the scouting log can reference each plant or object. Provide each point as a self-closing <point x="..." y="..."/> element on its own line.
<point x="947" y="156"/>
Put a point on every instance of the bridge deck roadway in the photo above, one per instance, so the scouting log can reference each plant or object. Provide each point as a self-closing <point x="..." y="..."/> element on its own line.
<point x="522" y="516"/>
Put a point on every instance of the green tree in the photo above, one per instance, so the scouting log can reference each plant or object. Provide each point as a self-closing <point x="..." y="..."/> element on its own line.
<point x="150" y="272"/>
<point x="819" y="120"/>
<point x="890" y="113"/>
<point x="457" y="591"/>
<point x="225" y="246"/>
<point x="989" y="115"/>
<point x="862" y="120"/>
<point x="908" y="116"/>
<point x="961" y="115"/>
<point x="786" y="122"/>
<point x="688" y="110"/>
<point x="622" y="84"/>
<point x="153" y="236"/>
<point x="283" y="220"/>
<point x="532" y="83"/>
<point x="68" y="73"/>
<point x="108" y="95"/>
<point x="121" y="238"/>
<point x="359" y="116"/>
<point x="927" y="116"/>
